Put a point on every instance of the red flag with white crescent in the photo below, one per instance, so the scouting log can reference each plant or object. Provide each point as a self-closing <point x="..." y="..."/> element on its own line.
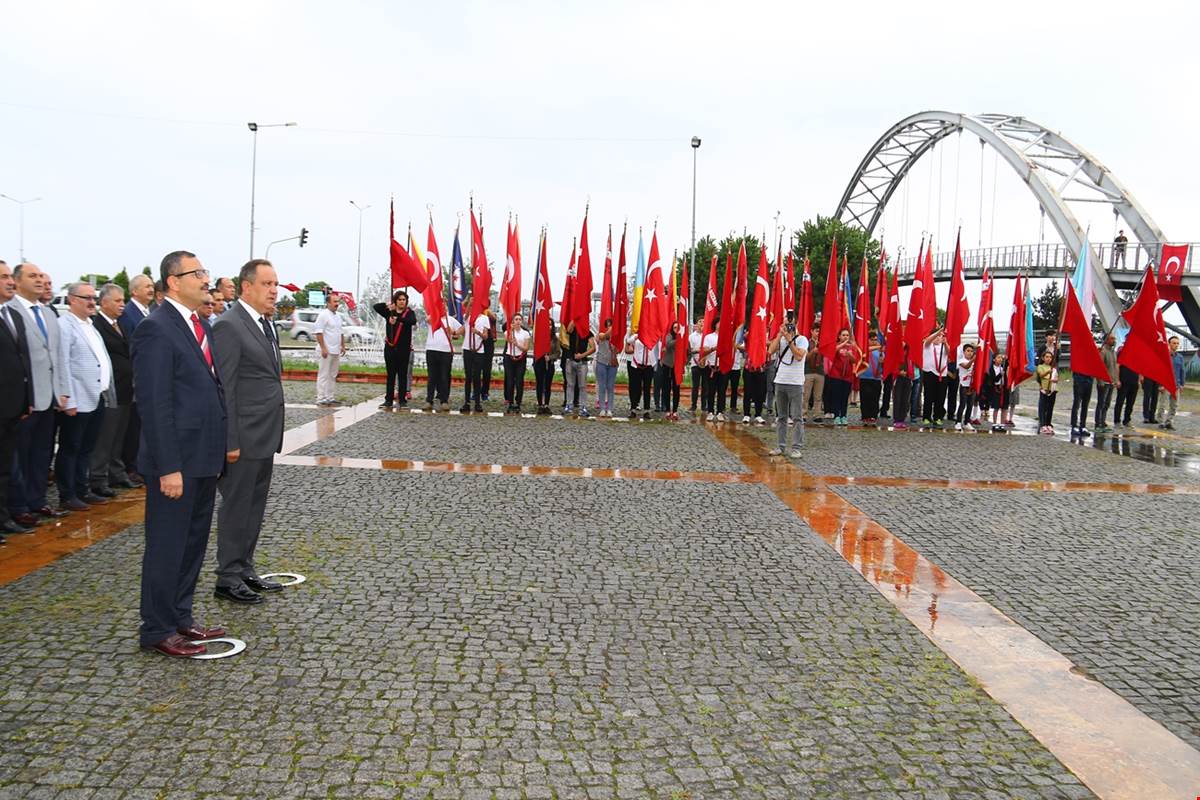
<point x="756" y="335"/>
<point x="653" y="321"/>
<point x="1170" y="274"/>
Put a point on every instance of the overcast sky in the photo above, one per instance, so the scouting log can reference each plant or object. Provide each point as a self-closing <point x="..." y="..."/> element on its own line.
<point x="130" y="120"/>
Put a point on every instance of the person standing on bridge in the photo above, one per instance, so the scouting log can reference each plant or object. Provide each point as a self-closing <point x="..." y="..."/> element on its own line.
<point x="1119" y="249"/>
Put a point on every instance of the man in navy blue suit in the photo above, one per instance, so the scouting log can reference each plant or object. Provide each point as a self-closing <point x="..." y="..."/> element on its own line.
<point x="141" y="295"/>
<point x="181" y="454"/>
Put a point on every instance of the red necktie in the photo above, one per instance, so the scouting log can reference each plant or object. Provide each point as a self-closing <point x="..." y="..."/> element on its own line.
<point x="201" y="339"/>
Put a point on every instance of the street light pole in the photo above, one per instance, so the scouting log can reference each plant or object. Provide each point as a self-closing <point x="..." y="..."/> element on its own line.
<point x="358" y="269"/>
<point x="21" y="205"/>
<point x="254" y="126"/>
<point x="692" y="265"/>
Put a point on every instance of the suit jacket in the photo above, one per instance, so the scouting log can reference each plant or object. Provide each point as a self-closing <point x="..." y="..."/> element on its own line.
<point x="250" y="373"/>
<point x="83" y="367"/>
<point x="121" y="388"/>
<point x="50" y="378"/>
<point x="130" y="318"/>
<point x="16" y="390"/>
<point x="181" y="402"/>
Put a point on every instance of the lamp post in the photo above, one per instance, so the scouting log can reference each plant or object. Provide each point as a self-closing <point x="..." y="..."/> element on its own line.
<point x="692" y="266"/>
<point x="358" y="269"/>
<point x="254" y="126"/>
<point x="21" y="205"/>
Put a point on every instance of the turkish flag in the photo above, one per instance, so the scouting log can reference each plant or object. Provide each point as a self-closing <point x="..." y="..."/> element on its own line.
<point x="914" y="325"/>
<point x="544" y="303"/>
<point x="710" y="299"/>
<point x="1146" y="351"/>
<point x="725" y="324"/>
<point x="683" y="317"/>
<point x="893" y="337"/>
<point x="606" y="295"/>
<point x="778" y="293"/>
<point x="806" y="312"/>
<point x="987" y="331"/>
<point x="581" y="292"/>
<point x="1085" y="356"/>
<point x="1170" y="274"/>
<point x="621" y="301"/>
<point x="756" y="336"/>
<point x="862" y="309"/>
<point x="957" y="310"/>
<point x="435" y="307"/>
<point x="653" y="321"/>
<point x="741" y="290"/>
<point x="481" y="278"/>
<point x="830" y="313"/>
<point x="405" y="269"/>
<point x="510" y="286"/>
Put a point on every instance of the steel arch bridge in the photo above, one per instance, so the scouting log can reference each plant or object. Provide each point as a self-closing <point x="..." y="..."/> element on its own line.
<point x="1046" y="161"/>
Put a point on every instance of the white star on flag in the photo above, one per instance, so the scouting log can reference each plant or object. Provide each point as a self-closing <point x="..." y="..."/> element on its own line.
<point x="761" y="313"/>
<point x="650" y="296"/>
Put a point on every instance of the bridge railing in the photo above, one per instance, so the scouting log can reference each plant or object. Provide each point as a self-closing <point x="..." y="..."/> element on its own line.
<point x="1049" y="259"/>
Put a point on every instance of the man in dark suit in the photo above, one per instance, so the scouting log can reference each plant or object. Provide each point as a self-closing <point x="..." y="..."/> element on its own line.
<point x="181" y="454"/>
<point x="141" y="295"/>
<point x="108" y="470"/>
<point x="250" y="375"/>
<point x="16" y="391"/>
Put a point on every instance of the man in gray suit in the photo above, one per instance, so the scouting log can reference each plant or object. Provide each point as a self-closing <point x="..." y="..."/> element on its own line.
<point x="249" y="367"/>
<point x="35" y="434"/>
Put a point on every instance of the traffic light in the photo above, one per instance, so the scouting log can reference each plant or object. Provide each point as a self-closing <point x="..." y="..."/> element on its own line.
<point x="303" y="236"/>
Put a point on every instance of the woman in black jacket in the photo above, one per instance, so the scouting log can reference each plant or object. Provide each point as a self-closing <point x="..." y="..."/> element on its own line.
<point x="397" y="344"/>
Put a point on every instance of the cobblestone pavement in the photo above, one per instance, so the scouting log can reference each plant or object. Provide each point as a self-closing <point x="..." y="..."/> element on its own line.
<point x="294" y="417"/>
<point x="549" y="442"/>
<point x="578" y="639"/>
<point x="347" y="393"/>
<point x="969" y="456"/>
<point x="1110" y="581"/>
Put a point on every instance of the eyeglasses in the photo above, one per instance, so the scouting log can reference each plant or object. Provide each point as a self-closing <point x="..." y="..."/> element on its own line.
<point x="87" y="298"/>
<point x="202" y="274"/>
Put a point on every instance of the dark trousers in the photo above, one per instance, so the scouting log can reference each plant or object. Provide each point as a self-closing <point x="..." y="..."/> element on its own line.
<point x="475" y="363"/>
<point x="714" y="400"/>
<point x="966" y="405"/>
<point x="77" y="437"/>
<point x="1149" y="400"/>
<point x="133" y="432"/>
<point x="8" y="445"/>
<point x="489" y="361"/>
<point x="934" y="406"/>
<point x="437" y="369"/>
<point x="735" y="380"/>
<point x="950" y="387"/>
<point x="31" y="473"/>
<point x="1104" y="394"/>
<point x="514" y="380"/>
<point x="839" y="395"/>
<point x="755" y="393"/>
<point x="887" y="397"/>
<point x="244" y="487"/>
<point x="396" y="360"/>
<point x="869" y="390"/>
<point x="660" y="386"/>
<point x="1082" y="385"/>
<point x="901" y="397"/>
<point x="669" y="389"/>
<point x="543" y="371"/>
<point x="699" y="384"/>
<point x="1126" y="394"/>
<point x="1046" y="407"/>
<point x="176" y="537"/>
<point x="641" y="383"/>
<point x="107" y="467"/>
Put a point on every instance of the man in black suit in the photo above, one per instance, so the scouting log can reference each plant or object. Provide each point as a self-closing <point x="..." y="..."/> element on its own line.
<point x="250" y="375"/>
<point x="16" y="391"/>
<point x="141" y="295"/>
<point x="181" y="454"/>
<point x="108" y="470"/>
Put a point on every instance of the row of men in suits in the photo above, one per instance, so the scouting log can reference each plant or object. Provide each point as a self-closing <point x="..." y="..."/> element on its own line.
<point x="78" y="367"/>
<point x="211" y="398"/>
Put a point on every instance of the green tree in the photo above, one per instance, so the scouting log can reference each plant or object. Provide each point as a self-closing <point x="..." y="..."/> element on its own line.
<point x="1046" y="307"/>
<point x="122" y="279"/>
<point x="815" y="240"/>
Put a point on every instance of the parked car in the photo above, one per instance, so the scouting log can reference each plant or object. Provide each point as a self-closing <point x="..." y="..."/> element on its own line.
<point x="303" y="320"/>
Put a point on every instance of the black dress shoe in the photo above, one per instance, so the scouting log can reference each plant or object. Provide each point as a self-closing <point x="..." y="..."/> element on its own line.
<point x="103" y="491"/>
<point x="75" y="504"/>
<point x="239" y="594"/>
<point x="259" y="585"/>
<point x="93" y="499"/>
<point x="28" y="520"/>
<point x="50" y="513"/>
<point x="11" y="526"/>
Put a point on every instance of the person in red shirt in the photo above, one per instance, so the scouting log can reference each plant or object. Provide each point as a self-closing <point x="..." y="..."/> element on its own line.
<point x="843" y="368"/>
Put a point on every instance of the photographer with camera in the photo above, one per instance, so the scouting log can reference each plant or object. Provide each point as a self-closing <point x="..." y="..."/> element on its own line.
<point x="789" y="349"/>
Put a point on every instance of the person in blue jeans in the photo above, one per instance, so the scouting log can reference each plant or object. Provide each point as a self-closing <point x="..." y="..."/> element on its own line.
<point x="606" y="370"/>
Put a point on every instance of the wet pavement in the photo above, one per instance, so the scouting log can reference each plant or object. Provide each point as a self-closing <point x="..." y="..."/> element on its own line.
<point x="527" y="607"/>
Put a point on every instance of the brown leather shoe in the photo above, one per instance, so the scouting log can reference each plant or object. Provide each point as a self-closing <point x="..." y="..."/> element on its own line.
<point x="177" y="646"/>
<point x="195" y="633"/>
<point x="28" y="520"/>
